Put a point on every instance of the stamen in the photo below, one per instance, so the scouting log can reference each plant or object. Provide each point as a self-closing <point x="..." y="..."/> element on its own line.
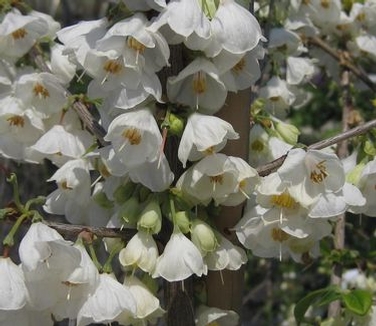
<point x="283" y="200"/>
<point x="209" y="151"/>
<point x="64" y="185"/>
<point x="199" y="84"/>
<point x="279" y="235"/>
<point x="319" y="173"/>
<point x="242" y="185"/>
<point x="133" y="136"/>
<point x="216" y="179"/>
<point x="325" y="4"/>
<point x="111" y="67"/>
<point x="40" y="91"/>
<point x="16" y="120"/>
<point x="136" y="45"/>
<point x="238" y="68"/>
<point x="257" y="146"/>
<point x="19" y="33"/>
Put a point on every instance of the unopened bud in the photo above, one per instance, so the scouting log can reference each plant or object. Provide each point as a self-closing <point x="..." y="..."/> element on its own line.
<point x="287" y="132"/>
<point x="203" y="236"/>
<point x="150" y="218"/>
<point x="129" y="211"/>
<point x="183" y="221"/>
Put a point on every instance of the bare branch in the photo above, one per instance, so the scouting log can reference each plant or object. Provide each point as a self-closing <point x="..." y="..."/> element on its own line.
<point x="362" y="129"/>
<point x="343" y="60"/>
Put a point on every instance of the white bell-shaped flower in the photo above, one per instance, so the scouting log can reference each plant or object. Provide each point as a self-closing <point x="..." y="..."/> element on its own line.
<point x="204" y="135"/>
<point x="108" y="301"/>
<point x="135" y="137"/>
<point x="214" y="177"/>
<point x="148" y="305"/>
<point x="233" y="29"/>
<point x="198" y="85"/>
<point x="43" y="92"/>
<point x="180" y="259"/>
<point x="14" y="294"/>
<point x="206" y="316"/>
<point x="310" y="174"/>
<point x="183" y="17"/>
<point x="141" y="251"/>
<point x="18" y="33"/>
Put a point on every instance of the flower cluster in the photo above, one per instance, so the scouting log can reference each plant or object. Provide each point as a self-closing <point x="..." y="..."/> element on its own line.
<point x="131" y="179"/>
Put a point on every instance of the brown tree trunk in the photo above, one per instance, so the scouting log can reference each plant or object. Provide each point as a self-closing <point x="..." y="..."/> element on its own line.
<point x="225" y="288"/>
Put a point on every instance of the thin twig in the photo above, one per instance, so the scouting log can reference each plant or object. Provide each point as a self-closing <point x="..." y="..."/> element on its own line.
<point x="343" y="60"/>
<point x="362" y="129"/>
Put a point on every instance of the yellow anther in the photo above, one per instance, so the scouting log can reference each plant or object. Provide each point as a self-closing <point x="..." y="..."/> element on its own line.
<point x="283" y="200"/>
<point x="19" y="33"/>
<point x="319" y="173"/>
<point x="199" y="82"/>
<point x="133" y="135"/>
<point x="279" y="235"/>
<point x="257" y="146"/>
<point x="16" y="120"/>
<point x="216" y="179"/>
<point x="209" y="151"/>
<point x="325" y="4"/>
<point x="112" y="66"/>
<point x="41" y="91"/>
<point x="135" y="45"/>
<point x="239" y="67"/>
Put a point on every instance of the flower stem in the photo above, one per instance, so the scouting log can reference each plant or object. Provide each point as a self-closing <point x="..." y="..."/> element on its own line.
<point x="9" y="239"/>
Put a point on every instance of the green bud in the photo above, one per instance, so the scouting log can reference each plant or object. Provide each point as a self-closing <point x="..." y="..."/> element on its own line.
<point x="183" y="221"/>
<point x="203" y="236"/>
<point x="369" y="147"/>
<point x="151" y="217"/>
<point x="176" y="124"/>
<point x="143" y="193"/>
<point x="123" y="192"/>
<point x="354" y="175"/>
<point x="101" y="199"/>
<point x="129" y="211"/>
<point x="151" y="283"/>
<point x="287" y="132"/>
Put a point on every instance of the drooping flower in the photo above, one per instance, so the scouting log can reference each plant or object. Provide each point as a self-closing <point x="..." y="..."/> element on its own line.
<point x="135" y="137"/>
<point x="14" y="294"/>
<point x="206" y="316"/>
<point x="214" y="177"/>
<point x="204" y="135"/>
<point x="198" y="85"/>
<point x="18" y="33"/>
<point x="108" y="301"/>
<point x="148" y="306"/>
<point x="180" y="259"/>
<point x="141" y="251"/>
<point x="310" y="174"/>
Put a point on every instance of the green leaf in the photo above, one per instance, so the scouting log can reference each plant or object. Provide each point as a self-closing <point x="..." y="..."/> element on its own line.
<point x="318" y="297"/>
<point x="358" y="301"/>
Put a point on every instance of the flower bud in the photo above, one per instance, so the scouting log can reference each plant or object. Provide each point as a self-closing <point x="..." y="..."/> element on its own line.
<point x="101" y="199"/>
<point x="183" y="221"/>
<point x="151" y="217"/>
<point x="354" y="175"/>
<point x="287" y="132"/>
<point x="203" y="236"/>
<point x="176" y="124"/>
<point x="123" y="192"/>
<point x="129" y="211"/>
